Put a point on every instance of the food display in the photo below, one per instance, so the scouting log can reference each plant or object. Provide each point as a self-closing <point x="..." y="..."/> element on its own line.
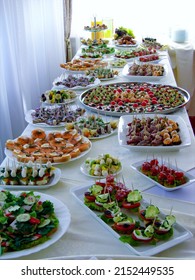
<point x="76" y="81"/>
<point x="146" y="69"/>
<point x="163" y="174"/>
<point x="58" y="96"/>
<point x="103" y="49"/>
<point x="97" y="42"/>
<point x="27" y="221"/>
<point x="119" y="98"/>
<point x="123" y="31"/>
<point x="153" y="43"/>
<point x="26" y="174"/>
<point x="102" y="73"/>
<point x="96" y="27"/>
<point x="134" y="53"/>
<point x="126" y="40"/>
<point x="79" y="65"/>
<point x="93" y="55"/>
<point x="93" y="127"/>
<point x="101" y="166"/>
<point x="140" y="226"/>
<point x="41" y="147"/>
<point x="148" y="58"/>
<point x="147" y="131"/>
<point x="118" y="63"/>
<point x="53" y="115"/>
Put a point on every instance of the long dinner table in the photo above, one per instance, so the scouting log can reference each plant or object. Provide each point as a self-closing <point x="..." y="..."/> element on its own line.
<point x="86" y="237"/>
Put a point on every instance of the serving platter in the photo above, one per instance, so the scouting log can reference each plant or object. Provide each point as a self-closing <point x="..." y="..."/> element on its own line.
<point x="94" y="99"/>
<point x="64" y="217"/>
<point x="53" y="181"/>
<point x="54" y="156"/>
<point x="180" y="233"/>
<point x="123" y="131"/>
<point x="145" y="78"/>
<point x="189" y="178"/>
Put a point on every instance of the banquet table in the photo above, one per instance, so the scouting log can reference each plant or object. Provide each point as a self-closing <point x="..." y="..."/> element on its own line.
<point x="85" y="237"/>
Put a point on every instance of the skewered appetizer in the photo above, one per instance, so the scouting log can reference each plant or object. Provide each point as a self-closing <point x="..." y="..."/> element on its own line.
<point x="149" y="58"/>
<point x="92" y="126"/>
<point x="146" y="225"/>
<point x="56" y="115"/>
<point x="103" y="49"/>
<point x="153" y="132"/>
<point x="56" y="147"/>
<point x="152" y="43"/>
<point x="163" y="174"/>
<point x="146" y="69"/>
<point x="58" y="96"/>
<point x="103" y="165"/>
<point x="26" y="174"/>
<point x="134" y="53"/>
<point x="102" y="73"/>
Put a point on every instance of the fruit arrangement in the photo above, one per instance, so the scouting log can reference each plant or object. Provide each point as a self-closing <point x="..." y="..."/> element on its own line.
<point x="121" y="31"/>
<point x="93" y="127"/>
<point x="163" y="174"/>
<point x="124" y="210"/>
<point x="103" y="165"/>
<point x="58" y="96"/>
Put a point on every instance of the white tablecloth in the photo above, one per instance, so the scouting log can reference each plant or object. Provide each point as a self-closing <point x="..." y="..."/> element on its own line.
<point x="86" y="237"/>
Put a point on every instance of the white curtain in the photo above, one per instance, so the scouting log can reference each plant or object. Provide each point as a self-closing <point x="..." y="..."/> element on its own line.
<point x="31" y="50"/>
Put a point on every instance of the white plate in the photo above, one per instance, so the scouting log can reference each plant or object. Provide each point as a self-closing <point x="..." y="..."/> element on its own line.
<point x="180" y="233"/>
<point x="66" y="102"/>
<point x="29" y="119"/>
<point x="125" y="46"/>
<point x="123" y="126"/>
<point x="9" y="153"/>
<point x="53" y="181"/>
<point x="64" y="217"/>
<point x="125" y="73"/>
<point x="84" y="170"/>
<point x="59" y="79"/>
<point x="137" y="167"/>
<point x="108" y="79"/>
<point x="103" y="135"/>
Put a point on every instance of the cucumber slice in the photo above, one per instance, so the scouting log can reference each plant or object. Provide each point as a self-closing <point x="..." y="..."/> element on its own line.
<point x="29" y="200"/>
<point x="44" y="223"/>
<point x="23" y="217"/>
<point x="3" y="196"/>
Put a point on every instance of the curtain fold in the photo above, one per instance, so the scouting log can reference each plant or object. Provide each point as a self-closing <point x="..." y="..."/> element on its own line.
<point x="67" y="8"/>
<point x="31" y="50"/>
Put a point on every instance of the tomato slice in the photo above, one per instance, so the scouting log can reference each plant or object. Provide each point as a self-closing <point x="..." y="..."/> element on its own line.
<point x="124" y="227"/>
<point x="129" y="205"/>
<point x="142" y="216"/>
<point x="89" y="197"/>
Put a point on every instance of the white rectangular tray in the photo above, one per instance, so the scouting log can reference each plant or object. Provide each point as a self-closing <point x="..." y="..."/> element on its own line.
<point x="180" y="233"/>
